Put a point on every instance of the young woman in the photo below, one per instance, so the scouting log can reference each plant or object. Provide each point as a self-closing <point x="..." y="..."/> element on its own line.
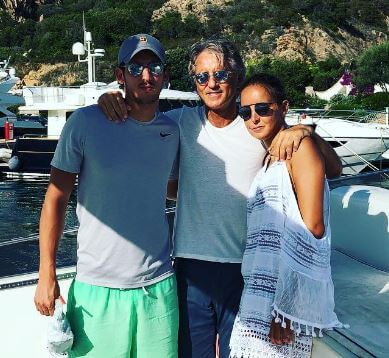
<point x="288" y="295"/>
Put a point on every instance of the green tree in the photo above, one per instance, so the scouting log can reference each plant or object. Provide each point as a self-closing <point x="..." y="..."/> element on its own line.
<point x="373" y="67"/>
<point x="325" y="73"/>
<point x="177" y="60"/>
<point x="295" y="75"/>
<point x="258" y="65"/>
<point x="168" y="26"/>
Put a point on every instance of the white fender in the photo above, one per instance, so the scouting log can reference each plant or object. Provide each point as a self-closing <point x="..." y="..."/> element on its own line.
<point x="360" y="223"/>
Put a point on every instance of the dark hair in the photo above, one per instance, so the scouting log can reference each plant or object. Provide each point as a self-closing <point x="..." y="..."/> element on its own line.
<point x="224" y="49"/>
<point x="272" y="84"/>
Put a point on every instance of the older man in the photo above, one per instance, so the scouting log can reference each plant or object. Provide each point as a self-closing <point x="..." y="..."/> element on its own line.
<point x="218" y="160"/>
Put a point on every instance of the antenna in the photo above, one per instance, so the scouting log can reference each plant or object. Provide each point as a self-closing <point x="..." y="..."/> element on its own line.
<point x="84" y="26"/>
<point x="79" y="49"/>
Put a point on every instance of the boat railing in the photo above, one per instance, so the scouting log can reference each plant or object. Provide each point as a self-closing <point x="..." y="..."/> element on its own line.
<point x="46" y="94"/>
<point x="355" y="115"/>
<point x="379" y="176"/>
<point x="35" y="237"/>
<point x="368" y="163"/>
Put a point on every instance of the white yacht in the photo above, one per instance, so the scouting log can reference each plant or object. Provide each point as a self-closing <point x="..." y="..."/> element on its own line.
<point x="33" y="125"/>
<point x="360" y="138"/>
<point x="7" y="76"/>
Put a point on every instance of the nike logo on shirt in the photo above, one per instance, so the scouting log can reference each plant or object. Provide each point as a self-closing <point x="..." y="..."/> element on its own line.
<point x="163" y="134"/>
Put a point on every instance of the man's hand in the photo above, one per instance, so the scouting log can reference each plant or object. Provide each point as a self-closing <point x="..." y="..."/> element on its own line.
<point x="279" y="335"/>
<point x="287" y="141"/>
<point x="113" y="105"/>
<point x="46" y="293"/>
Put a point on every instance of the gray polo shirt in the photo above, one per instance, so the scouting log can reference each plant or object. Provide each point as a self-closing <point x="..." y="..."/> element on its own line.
<point x="123" y="238"/>
<point x="216" y="168"/>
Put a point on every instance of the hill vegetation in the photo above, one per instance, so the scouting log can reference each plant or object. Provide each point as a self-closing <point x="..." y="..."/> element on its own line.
<point x="311" y="39"/>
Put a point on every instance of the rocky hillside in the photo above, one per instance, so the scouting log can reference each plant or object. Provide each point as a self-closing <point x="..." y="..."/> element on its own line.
<point x="42" y="31"/>
<point x="300" y="38"/>
<point x="24" y="9"/>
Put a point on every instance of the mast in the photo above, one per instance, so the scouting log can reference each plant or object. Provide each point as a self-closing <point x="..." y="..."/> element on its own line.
<point x="91" y="53"/>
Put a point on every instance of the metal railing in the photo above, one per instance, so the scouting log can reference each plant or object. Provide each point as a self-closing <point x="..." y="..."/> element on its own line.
<point x="356" y="115"/>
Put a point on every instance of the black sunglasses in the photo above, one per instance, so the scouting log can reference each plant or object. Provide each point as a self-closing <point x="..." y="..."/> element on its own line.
<point x="221" y="76"/>
<point x="136" y="70"/>
<point x="262" y="109"/>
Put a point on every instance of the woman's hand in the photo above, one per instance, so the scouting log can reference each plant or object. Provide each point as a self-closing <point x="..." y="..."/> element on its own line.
<point x="279" y="335"/>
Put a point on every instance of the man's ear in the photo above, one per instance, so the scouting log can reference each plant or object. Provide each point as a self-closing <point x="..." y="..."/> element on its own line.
<point x="166" y="77"/>
<point x="285" y="107"/>
<point x="119" y="74"/>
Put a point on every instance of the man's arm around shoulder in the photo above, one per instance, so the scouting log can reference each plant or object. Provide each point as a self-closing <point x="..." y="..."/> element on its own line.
<point x="51" y="227"/>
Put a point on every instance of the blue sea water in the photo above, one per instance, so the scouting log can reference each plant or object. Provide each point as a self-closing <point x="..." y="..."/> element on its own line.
<point x="20" y="206"/>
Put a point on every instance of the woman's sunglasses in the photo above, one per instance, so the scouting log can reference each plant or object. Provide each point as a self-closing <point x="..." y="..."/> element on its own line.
<point x="136" y="70"/>
<point x="262" y="109"/>
<point x="221" y="76"/>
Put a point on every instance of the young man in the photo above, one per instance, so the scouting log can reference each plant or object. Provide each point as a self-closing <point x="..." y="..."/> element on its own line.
<point x="218" y="161"/>
<point x="123" y="301"/>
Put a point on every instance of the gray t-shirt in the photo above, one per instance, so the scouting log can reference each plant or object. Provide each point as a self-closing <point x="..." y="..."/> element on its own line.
<point x="216" y="168"/>
<point x="123" y="239"/>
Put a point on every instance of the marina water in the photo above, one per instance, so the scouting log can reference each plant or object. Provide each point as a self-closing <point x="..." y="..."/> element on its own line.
<point x="20" y="206"/>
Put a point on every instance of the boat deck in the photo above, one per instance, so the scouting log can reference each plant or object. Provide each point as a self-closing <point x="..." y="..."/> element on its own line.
<point x="361" y="300"/>
<point x="17" y="306"/>
<point x="362" y="294"/>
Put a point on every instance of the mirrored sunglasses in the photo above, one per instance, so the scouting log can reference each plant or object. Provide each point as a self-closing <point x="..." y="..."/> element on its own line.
<point x="221" y="76"/>
<point x="136" y="70"/>
<point x="262" y="109"/>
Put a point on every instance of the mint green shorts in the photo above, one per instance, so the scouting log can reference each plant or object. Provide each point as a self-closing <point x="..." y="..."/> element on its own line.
<point x="124" y="323"/>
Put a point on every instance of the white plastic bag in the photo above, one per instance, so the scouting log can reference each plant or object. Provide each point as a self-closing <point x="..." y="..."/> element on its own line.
<point x="59" y="334"/>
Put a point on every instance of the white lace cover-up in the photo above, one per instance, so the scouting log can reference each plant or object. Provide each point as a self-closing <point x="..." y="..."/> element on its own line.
<point x="286" y="271"/>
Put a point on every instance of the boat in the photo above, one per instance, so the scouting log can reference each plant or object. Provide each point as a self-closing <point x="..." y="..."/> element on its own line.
<point x="8" y="77"/>
<point x="359" y="137"/>
<point x="23" y="124"/>
<point x="32" y="155"/>
<point x="360" y="270"/>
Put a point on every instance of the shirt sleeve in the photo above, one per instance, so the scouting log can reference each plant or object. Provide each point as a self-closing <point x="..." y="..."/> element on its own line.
<point x="68" y="155"/>
<point x="175" y="115"/>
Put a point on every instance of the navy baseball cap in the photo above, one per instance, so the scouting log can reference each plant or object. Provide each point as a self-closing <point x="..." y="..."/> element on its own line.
<point x="136" y="43"/>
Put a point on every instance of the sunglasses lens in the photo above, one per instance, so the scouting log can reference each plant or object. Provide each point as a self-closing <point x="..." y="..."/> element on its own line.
<point x="262" y="109"/>
<point x="221" y="76"/>
<point x="245" y="112"/>
<point x="156" y="68"/>
<point x="135" y="69"/>
<point x="202" y="78"/>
